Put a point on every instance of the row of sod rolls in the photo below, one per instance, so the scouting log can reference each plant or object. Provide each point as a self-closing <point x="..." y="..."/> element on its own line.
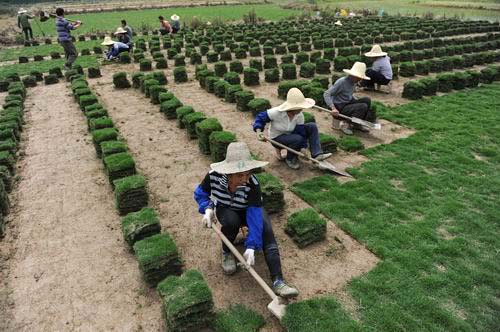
<point x="187" y="300"/>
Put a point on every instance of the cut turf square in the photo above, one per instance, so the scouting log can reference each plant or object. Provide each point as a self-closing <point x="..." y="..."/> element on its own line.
<point x="140" y="225"/>
<point x="119" y="165"/>
<point x="272" y="192"/>
<point x="306" y="227"/>
<point x="130" y="194"/>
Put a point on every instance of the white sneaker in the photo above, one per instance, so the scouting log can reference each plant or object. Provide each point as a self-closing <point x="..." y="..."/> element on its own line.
<point x="322" y="156"/>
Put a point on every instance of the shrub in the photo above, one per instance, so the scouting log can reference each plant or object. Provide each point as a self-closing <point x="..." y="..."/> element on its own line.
<point x="120" y="80"/>
<point x="306" y="227"/>
<point x="250" y="76"/>
<point x="258" y="105"/>
<point x="158" y="258"/>
<point x="145" y="65"/>
<point x="307" y="69"/>
<point x="351" y="143"/>
<point x="190" y="120"/>
<point x="130" y="194"/>
<point x="180" y="75"/>
<point x="139" y="225"/>
<point x="272" y="192"/>
<point x="236" y="66"/>
<point x="272" y="75"/>
<point x="219" y="140"/>
<point x="181" y="112"/>
<point x="230" y="93"/>
<point x="413" y="90"/>
<point x="203" y="130"/>
<point x="407" y="69"/>
<point x="242" y="100"/>
<point x="169" y="107"/>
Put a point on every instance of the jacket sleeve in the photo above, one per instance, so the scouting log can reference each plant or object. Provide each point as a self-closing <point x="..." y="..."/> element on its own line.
<point x="202" y="195"/>
<point x="261" y="120"/>
<point x="255" y="223"/>
<point x="327" y="96"/>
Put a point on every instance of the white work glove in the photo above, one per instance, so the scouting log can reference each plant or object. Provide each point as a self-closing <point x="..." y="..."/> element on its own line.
<point x="249" y="256"/>
<point x="260" y="135"/>
<point x="208" y="217"/>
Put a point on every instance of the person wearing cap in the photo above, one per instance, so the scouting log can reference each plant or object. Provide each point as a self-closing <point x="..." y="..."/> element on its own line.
<point x="63" y="28"/>
<point x="232" y="193"/>
<point x="289" y="128"/>
<point x="176" y="24"/>
<point x="123" y="37"/>
<point x="381" y="70"/>
<point x="114" y="48"/>
<point x="339" y="97"/>
<point x="165" y="27"/>
<point x="127" y="28"/>
<point x="23" y="22"/>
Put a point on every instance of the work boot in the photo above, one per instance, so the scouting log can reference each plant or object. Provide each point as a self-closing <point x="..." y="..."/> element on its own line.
<point x="228" y="263"/>
<point x="322" y="156"/>
<point x="293" y="163"/>
<point x="346" y="130"/>
<point x="283" y="290"/>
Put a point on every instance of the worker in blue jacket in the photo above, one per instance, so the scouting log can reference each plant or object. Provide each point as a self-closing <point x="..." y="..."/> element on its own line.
<point x="234" y="193"/>
<point x="114" y="48"/>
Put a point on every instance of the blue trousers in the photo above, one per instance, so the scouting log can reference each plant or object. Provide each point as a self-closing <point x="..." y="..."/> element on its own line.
<point x="296" y="142"/>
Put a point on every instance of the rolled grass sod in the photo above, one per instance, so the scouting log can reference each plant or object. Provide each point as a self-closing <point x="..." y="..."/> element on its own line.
<point x="181" y="112"/>
<point x="50" y="79"/>
<point x="305" y="227"/>
<point x="94" y="72"/>
<point x="187" y="301"/>
<point x="158" y="257"/>
<point x="87" y="100"/>
<point x="154" y="93"/>
<point x="119" y="165"/>
<point x="164" y="96"/>
<point x="111" y="147"/>
<point x="351" y="143"/>
<point x="12" y="127"/>
<point x="101" y="135"/>
<point x="238" y="318"/>
<point x="169" y="107"/>
<point x="272" y="192"/>
<point x="180" y="75"/>
<point x="100" y="123"/>
<point x="4" y="201"/>
<point x="210" y="83"/>
<point x="8" y="160"/>
<point x="6" y="178"/>
<point x="232" y="77"/>
<point x="328" y="143"/>
<point x="220" y="88"/>
<point x="250" y="76"/>
<point x="272" y="75"/>
<point x="219" y="140"/>
<point x="242" y="99"/>
<point x="308" y="117"/>
<point x="190" y="120"/>
<point x="120" y="80"/>
<point x="136" y="79"/>
<point x="139" y="225"/>
<point x="145" y="65"/>
<point x="9" y="145"/>
<point x="130" y="194"/>
<point x="203" y="130"/>
<point x="258" y="105"/>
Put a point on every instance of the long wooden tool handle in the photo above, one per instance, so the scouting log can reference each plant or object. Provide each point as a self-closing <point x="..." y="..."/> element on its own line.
<point x="249" y="268"/>
<point x="300" y="154"/>
<point x="329" y="111"/>
<point x="67" y="19"/>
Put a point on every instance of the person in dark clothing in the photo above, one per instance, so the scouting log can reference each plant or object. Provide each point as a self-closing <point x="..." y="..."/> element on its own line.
<point x="176" y="24"/>
<point x="234" y="193"/>
<point x="23" y="22"/>
<point x="123" y="37"/>
<point x="128" y="29"/>
<point x="63" y="28"/>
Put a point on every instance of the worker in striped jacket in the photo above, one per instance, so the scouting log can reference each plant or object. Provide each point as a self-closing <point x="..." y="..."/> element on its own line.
<point x="63" y="28"/>
<point x="234" y="193"/>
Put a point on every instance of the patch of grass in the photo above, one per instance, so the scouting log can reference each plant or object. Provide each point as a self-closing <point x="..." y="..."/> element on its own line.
<point x="420" y="203"/>
<point x="238" y="318"/>
<point x="350" y="143"/>
<point x="272" y="192"/>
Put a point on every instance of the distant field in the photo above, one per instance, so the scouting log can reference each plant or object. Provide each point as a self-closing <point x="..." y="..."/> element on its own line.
<point x="137" y="18"/>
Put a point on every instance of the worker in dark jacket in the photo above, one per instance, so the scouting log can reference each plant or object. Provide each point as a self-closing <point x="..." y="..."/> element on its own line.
<point x="23" y="22"/>
<point x="234" y="193"/>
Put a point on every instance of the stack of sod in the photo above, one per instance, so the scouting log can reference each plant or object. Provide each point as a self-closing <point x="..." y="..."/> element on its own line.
<point x="6" y="178"/>
<point x="51" y="79"/>
<point x="4" y="204"/>
<point x="146" y="83"/>
<point x="8" y="160"/>
<point x="407" y="69"/>
<point x="190" y="120"/>
<point x="350" y="144"/>
<point x="305" y="227"/>
<point x="289" y="71"/>
<point x="220" y="69"/>
<point x="180" y="75"/>
<point x="154" y="93"/>
<point x="328" y="143"/>
<point x="119" y="165"/>
<point x="232" y="77"/>
<point x="102" y="135"/>
<point x="158" y="258"/>
<point x="203" y="130"/>
<point x="136" y="80"/>
<point x="111" y="147"/>
<point x="231" y="91"/>
<point x="69" y="73"/>
<point x="29" y="81"/>
<point x="56" y="71"/>
<point x="140" y="225"/>
<point x="168" y="107"/>
<point x="37" y="74"/>
<point x="124" y="57"/>
<point x="220" y="88"/>
<point x="308" y="117"/>
<point x="145" y="65"/>
<point x="272" y="75"/>
<point x="236" y="66"/>
<point x="255" y="64"/>
<point x="219" y="140"/>
<point x="250" y="76"/>
<point x="272" y="192"/>
<point x="307" y="69"/>
<point x="120" y="80"/>
<point x="100" y="123"/>
<point x="242" y="100"/>
<point x="187" y="301"/>
<point x="161" y="63"/>
<point x="210" y="83"/>
<point x="87" y="100"/>
<point x="94" y="72"/>
<point x="130" y="194"/>
<point x="258" y="105"/>
<point x="181" y="112"/>
<point x="164" y="96"/>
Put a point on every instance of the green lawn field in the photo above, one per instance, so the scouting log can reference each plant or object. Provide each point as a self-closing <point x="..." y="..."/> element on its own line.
<point x="428" y="206"/>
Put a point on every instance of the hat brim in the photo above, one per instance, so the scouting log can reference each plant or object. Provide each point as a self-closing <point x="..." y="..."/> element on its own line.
<point x="352" y="73"/>
<point x="373" y="55"/>
<point x="237" y="167"/>
<point x="174" y="17"/>
<point x="22" y="12"/>
<point x="286" y="106"/>
<point x="120" y="32"/>
<point x="107" y="43"/>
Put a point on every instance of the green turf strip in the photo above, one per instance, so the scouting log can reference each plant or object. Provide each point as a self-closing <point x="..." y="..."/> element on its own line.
<point x="427" y="205"/>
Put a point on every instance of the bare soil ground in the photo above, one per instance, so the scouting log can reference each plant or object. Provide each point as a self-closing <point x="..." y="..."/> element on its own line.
<point x="63" y="263"/>
<point x="174" y="166"/>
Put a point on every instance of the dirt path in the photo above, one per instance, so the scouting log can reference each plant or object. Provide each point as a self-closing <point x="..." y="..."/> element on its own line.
<point x="174" y="166"/>
<point x="67" y="264"/>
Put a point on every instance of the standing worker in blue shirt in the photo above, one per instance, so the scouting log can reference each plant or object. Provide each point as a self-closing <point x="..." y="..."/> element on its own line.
<point x="63" y="28"/>
<point x="234" y="193"/>
<point x="176" y="24"/>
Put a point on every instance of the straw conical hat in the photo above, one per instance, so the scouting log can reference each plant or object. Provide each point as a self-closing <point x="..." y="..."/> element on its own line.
<point x="120" y="30"/>
<point x="358" y="70"/>
<point x="22" y="11"/>
<point x="174" y="17"/>
<point x="238" y="159"/>
<point x="375" y="51"/>
<point x="107" y="41"/>
<point x="295" y="100"/>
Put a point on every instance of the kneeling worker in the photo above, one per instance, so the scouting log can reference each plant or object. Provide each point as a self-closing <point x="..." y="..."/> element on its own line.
<point x="234" y="193"/>
<point x="114" y="48"/>
<point x="339" y="97"/>
<point x="288" y="128"/>
<point x="381" y="70"/>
